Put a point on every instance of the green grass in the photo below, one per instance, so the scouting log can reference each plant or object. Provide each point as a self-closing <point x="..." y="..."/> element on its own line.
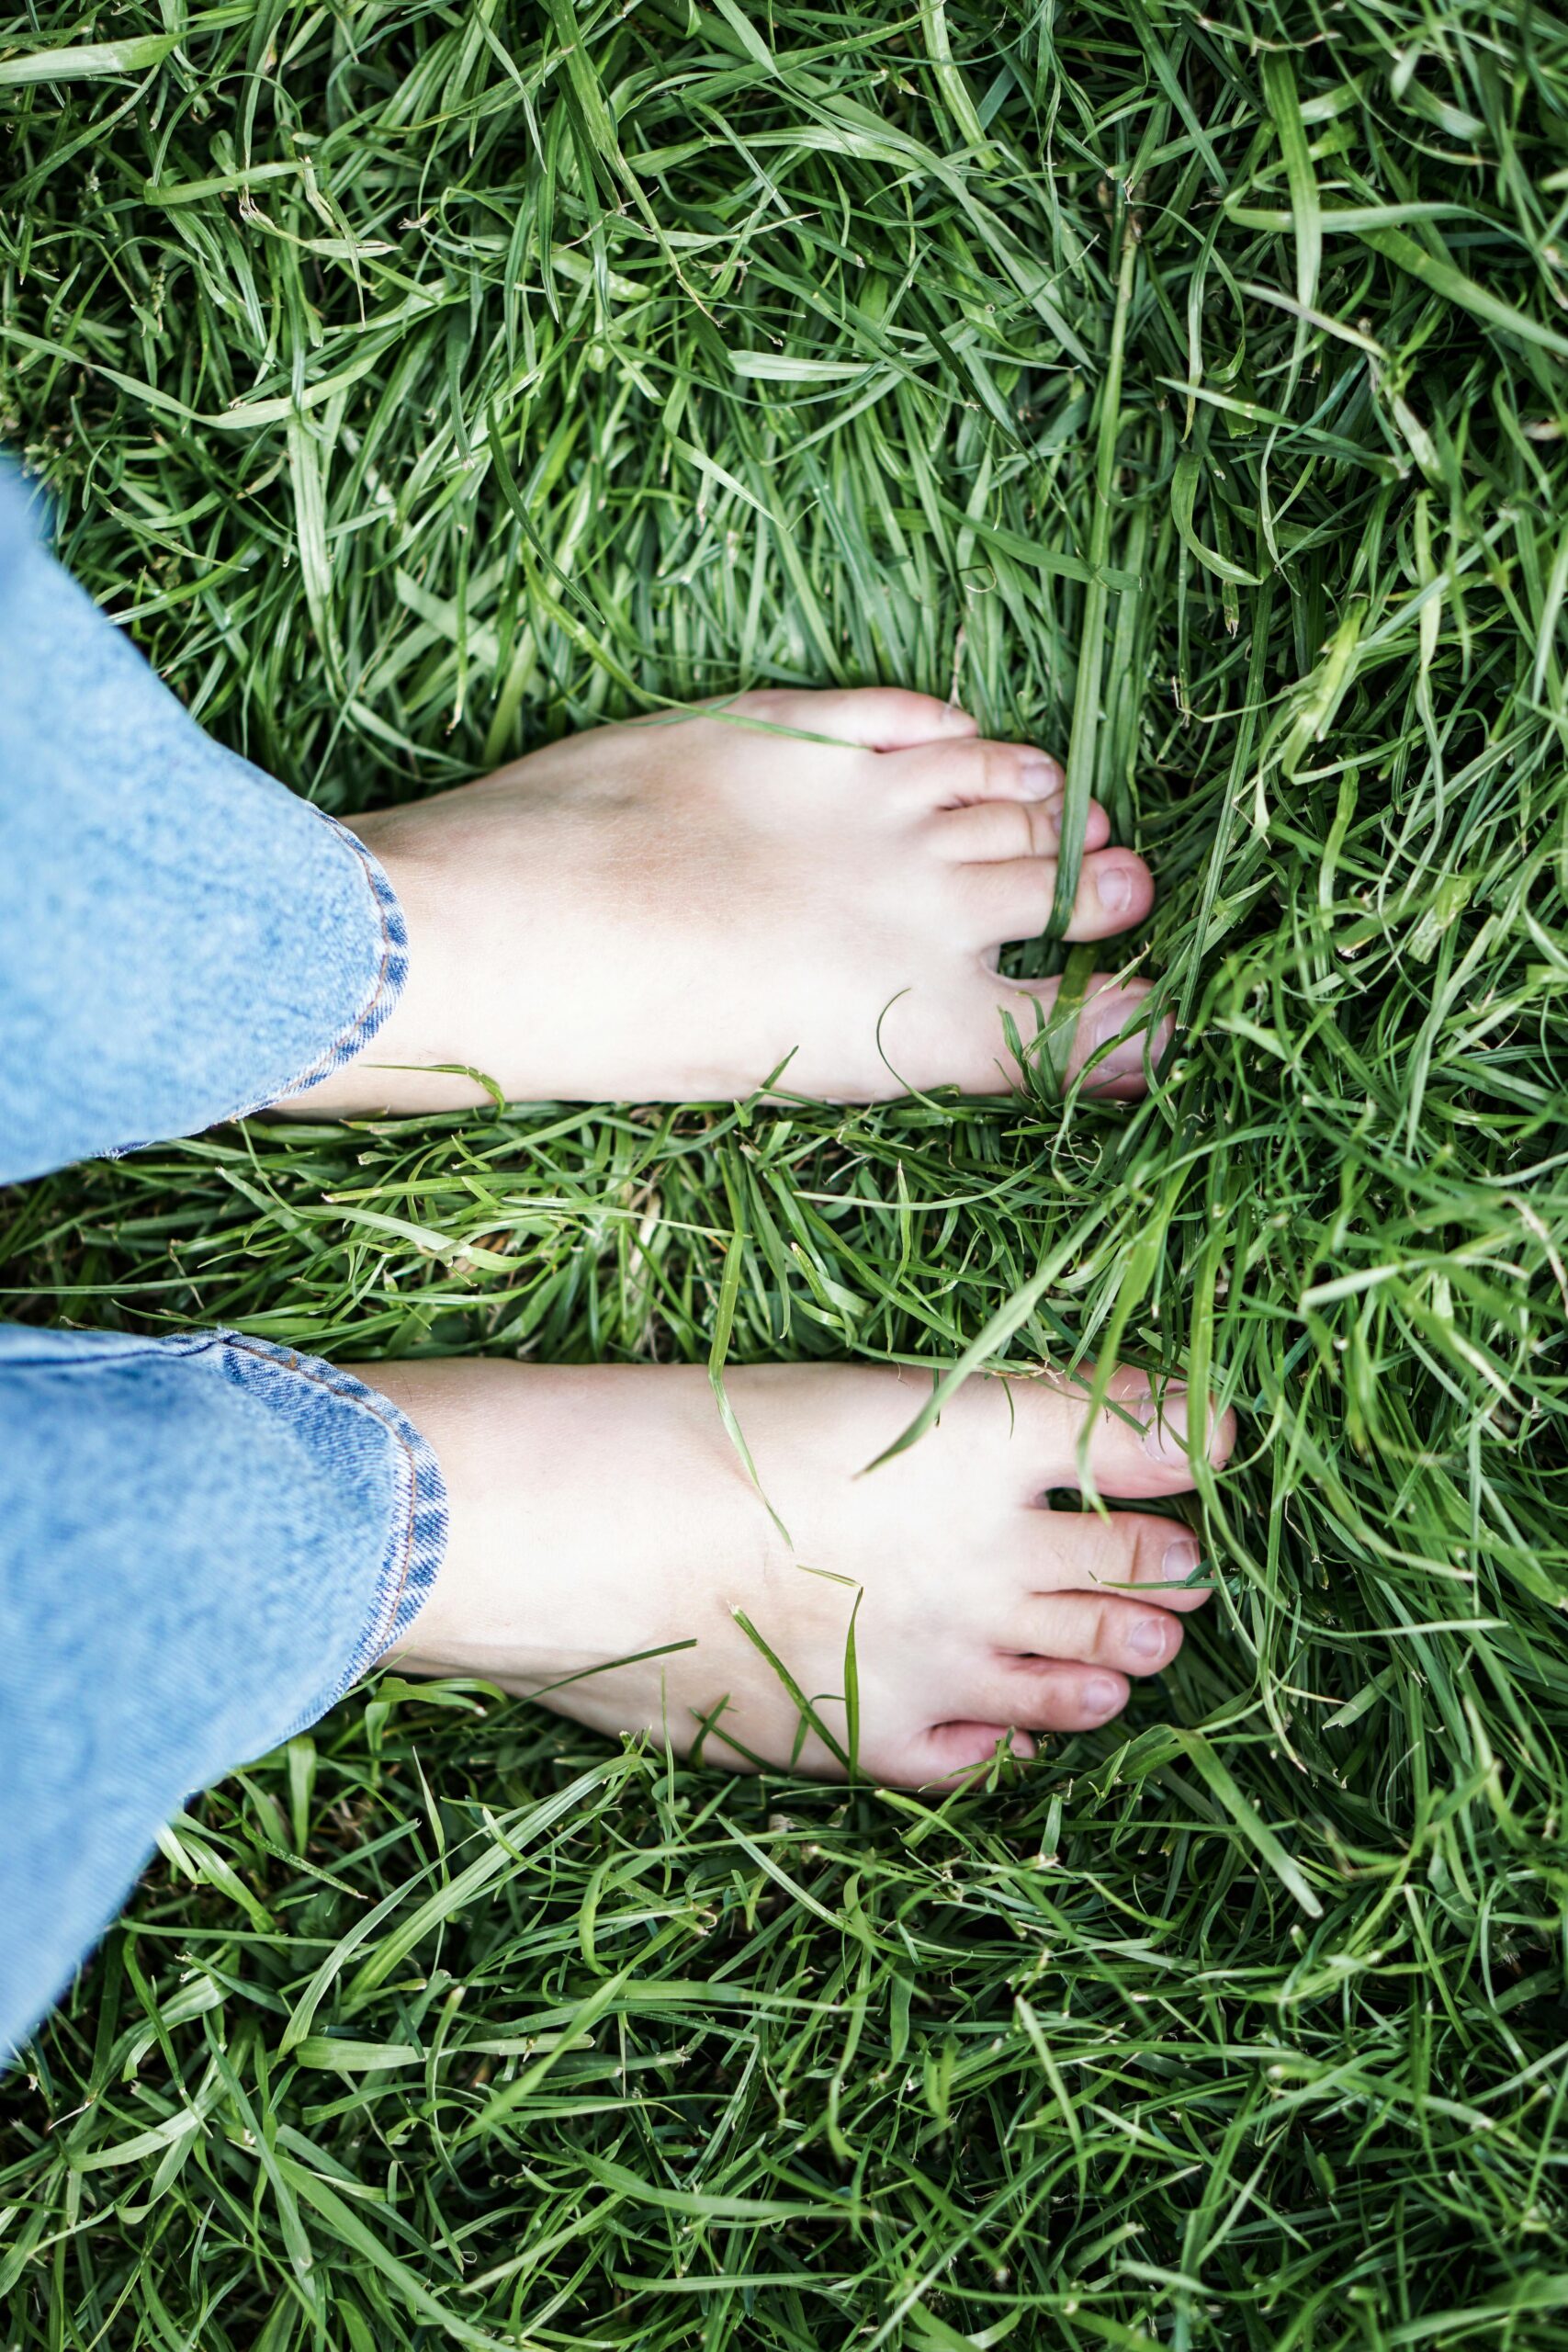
<point x="420" y="381"/>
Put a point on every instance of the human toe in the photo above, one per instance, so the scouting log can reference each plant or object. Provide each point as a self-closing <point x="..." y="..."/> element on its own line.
<point x="953" y="774"/>
<point x="877" y="719"/>
<point x="946" y="1751"/>
<point x="1144" y="1441"/>
<point x="994" y="832"/>
<point x="1104" y="1037"/>
<point x="1050" y="1693"/>
<point x="1114" y="1043"/>
<point x="1137" y="1553"/>
<point x="1104" y="1630"/>
<point x="1013" y="898"/>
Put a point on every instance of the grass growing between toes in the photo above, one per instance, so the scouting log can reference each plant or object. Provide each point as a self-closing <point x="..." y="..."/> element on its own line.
<point x="420" y="382"/>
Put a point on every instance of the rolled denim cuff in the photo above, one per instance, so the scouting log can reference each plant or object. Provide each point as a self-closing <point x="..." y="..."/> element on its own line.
<point x="415" y="1541"/>
<point x="204" y="1541"/>
<point x="387" y="985"/>
<point x="182" y="939"/>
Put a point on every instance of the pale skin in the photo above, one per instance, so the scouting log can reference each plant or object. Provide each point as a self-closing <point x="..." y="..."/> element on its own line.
<point x="670" y="911"/>
<point x="601" y="1513"/>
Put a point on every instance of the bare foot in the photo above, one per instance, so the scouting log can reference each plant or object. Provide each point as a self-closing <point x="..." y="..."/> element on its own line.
<point x="601" y="1513"/>
<point x="670" y="910"/>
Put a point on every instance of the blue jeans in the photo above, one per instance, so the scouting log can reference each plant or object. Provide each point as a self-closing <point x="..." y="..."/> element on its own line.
<point x="203" y="1540"/>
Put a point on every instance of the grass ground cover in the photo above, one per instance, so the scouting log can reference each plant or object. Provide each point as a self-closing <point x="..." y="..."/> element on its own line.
<point x="418" y="383"/>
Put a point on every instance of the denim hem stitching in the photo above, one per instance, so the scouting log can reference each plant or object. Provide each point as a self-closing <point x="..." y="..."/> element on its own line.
<point x="416" y="1544"/>
<point x="391" y="977"/>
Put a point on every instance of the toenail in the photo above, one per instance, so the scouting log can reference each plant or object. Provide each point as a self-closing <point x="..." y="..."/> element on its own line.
<point x="1166" y="1417"/>
<point x="1148" y="1638"/>
<point x="1180" y="1560"/>
<point x="1039" y="777"/>
<point x="1105" y="1016"/>
<point x="1114" y="890"/>
<point x="1100" y="1695"/>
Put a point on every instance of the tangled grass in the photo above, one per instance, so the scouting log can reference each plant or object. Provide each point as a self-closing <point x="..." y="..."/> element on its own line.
<point x="419" y="382"/>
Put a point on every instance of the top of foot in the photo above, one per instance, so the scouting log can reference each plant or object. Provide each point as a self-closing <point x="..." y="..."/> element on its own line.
<point x="609" y="1554"/>
<point x="670" y="910"/>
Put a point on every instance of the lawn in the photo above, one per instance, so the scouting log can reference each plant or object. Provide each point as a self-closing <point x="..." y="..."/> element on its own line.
<point x="418" y="381"/>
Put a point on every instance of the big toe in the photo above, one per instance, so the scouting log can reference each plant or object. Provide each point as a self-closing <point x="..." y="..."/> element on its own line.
<point x="878" y="719"/>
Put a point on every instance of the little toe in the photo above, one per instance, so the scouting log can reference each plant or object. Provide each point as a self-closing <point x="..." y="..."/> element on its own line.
<point x="1106" y="1035"/>
<point x="946" y="1750"/>
<point x="877" y="719"/>
<point x="994" y="832"/>
<point x="1113" y="1043"/>
<point x="953" y="775"/>
<point x="1014" y="899"/>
